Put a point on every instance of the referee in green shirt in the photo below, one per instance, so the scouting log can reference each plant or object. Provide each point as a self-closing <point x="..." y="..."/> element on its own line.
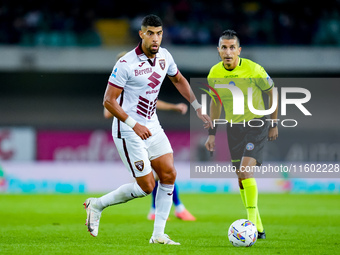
<point x="245" y="141"/>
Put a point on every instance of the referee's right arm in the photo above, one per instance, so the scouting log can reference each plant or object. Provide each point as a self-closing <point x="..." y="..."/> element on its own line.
<point x="215" y="113"/>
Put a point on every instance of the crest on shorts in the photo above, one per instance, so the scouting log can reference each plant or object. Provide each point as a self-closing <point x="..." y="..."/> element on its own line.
<point x="162" y="63"/>
<point x="139" y="165"/>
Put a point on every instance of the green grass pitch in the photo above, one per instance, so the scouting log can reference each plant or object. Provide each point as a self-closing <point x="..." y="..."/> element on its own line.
<point x="54" y="224"/>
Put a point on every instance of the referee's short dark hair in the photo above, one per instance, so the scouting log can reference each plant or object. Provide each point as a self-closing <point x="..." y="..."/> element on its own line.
<point x="230" y="34"/>
<point x="152" y="21"/>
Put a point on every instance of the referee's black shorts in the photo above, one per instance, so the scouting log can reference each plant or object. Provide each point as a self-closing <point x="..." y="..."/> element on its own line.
<point x="247" y="140"/>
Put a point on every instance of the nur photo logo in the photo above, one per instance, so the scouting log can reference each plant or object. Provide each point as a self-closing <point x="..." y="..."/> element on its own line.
<point x="239" y="104"/>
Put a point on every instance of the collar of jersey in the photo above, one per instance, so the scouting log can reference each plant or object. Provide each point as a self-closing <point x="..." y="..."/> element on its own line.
<point x="140" y="53"/>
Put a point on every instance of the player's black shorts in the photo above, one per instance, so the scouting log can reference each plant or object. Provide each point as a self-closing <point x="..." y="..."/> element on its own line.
<point x="247" y="140"/>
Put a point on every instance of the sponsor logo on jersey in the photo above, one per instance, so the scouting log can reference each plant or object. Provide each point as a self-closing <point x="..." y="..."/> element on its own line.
<point x="139" y="165"/>
<point x="162" y="63"/>
<point x="143" y="71"/>
<point x="152" y="91"/>
<point x="154" y="80"/>
<point x="231" y="76"/>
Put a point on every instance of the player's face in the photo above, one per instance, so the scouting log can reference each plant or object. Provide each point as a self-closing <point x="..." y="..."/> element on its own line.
<point x="229" y="52"/>
<point x="152" y="38"/>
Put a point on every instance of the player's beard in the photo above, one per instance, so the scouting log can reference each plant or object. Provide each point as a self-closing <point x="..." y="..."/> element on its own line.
<point x="152" y="51"/>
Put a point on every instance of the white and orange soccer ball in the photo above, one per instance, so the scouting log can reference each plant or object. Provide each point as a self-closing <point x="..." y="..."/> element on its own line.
<point x="242" y="233"/>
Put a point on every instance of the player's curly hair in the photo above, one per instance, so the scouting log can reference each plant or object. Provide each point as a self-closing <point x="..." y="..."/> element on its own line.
<point x="152" y="20"/>
<point x="230" y="34"/>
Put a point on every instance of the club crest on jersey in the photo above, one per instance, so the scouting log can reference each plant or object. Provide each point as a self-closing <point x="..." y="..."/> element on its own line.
<point x="162" y="63"/>
<point x="139" y="165"/>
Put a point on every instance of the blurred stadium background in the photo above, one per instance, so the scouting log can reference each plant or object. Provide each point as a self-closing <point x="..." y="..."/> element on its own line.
<point x="56" y="57"/>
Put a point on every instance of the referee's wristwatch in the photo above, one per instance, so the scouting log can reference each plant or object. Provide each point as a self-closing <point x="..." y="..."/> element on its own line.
<point x="274" y="124"/>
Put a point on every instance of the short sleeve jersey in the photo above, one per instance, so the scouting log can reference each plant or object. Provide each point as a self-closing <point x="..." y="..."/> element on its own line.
<point x="246" y="74"/>
<point x="140" y="79"/>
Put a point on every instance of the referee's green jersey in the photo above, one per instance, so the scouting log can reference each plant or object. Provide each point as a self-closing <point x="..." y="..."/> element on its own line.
<point x="246" y="74"/>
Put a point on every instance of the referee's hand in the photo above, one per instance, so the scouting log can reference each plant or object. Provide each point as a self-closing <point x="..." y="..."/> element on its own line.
<point x="273" y="133"/>
<point x="205" y="118"/>
<point x="210" y="143"/>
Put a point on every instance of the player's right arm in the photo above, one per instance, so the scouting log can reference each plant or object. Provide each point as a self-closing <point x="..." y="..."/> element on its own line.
<point x="215" y="113"/>
<point x="111" y="104"/>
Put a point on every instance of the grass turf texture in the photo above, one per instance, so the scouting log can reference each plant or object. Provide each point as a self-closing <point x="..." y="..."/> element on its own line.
<point x="54" y="224"/>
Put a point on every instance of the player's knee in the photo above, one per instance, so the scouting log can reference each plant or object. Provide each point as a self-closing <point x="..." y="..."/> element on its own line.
<point x="148" y="187"/>
<point x="245" y="175"/>
<point x="173" y="175"/>
<point x="169" y="176"/>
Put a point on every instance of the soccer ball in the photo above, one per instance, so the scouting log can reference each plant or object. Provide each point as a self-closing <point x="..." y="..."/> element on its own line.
<point x="242" y="233"/>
